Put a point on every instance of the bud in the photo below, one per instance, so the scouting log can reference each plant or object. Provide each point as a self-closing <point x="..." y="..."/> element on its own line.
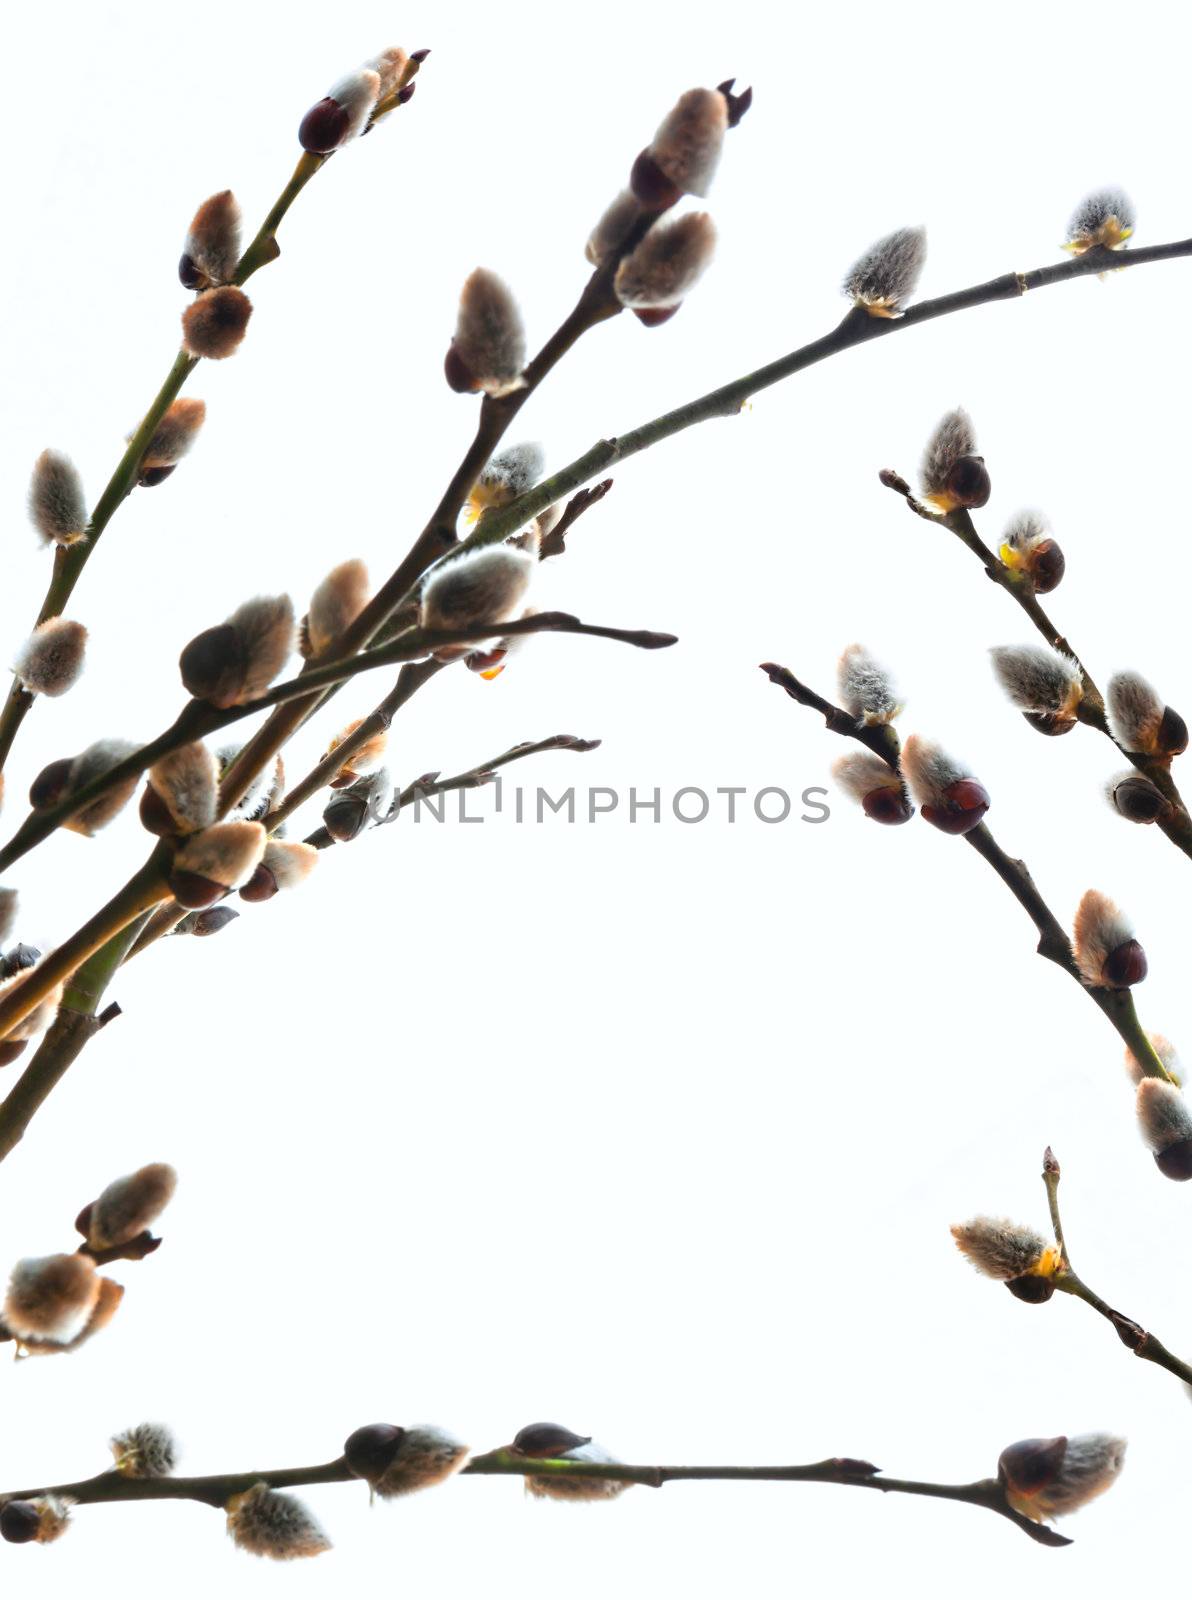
<point x="349" y="812"/>
<point x="182" y="792"/>
<point x="388" y="66"/>
<point x="663" y="269"/>
<point x="1029" y="550"/>
<point x="876" y="788"/>
<point x="18" y="959"/>
<point x="335" y="605"/>
<point x="1136" y="798"/>
<point x="1052" y="727"/>
<point x="51" y="660"/>
<point x="39" y="1521"/>
<point x="202" y="924"/>
<point x="263" y="792"/>
<point x="128" y="1207"/>
<point x="146" y="1451"/>
<point x="342" y="114"/>
<point x="57" y="508"/>
<point x="67" y="776"/>
<point x="1039" y="679"/>
<point x="888" y="273"/>
<point x="211" y="253"/>
<point x="866" y="688"/>
<point x="266" y="1523"/>
<point x="1014" y="1255"/>
<point x="683" y="155"/>
<point x="215" y="323"/>
<point x="477" y="586"/>
<point x="173" y="437"/>
<point x="51" y="1297"/>
<point x="548" y="1441"/>
<point x="949" y="797"/>
<point x="360" y="761"/>
<point x="954" y="476"/>
<point x="211" y="863"/>
<point x="1103" y="942"/>
<point x="283" y="866"/>
<point x="1166" y="1126"/>
<point x="1045" y="1478"/>
<point x="1138" y="719"/>
<point x="1104" y="218"/>
<point x="238" y="660"/>
<point x="396" y="1461"/>
<point x="488" y="350"/>
<point x="509" y="474"/>
<point x="611" y="232"/>
<point x="9" y="902"/>
<point x="1168" y="1055"/>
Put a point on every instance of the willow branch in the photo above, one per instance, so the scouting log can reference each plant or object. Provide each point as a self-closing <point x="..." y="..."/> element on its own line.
<point x="1117" y="1005"/>
<point x="1177" y="826"/>
<point x="1132" y="1334"/>
<point x="218" y="1488"/>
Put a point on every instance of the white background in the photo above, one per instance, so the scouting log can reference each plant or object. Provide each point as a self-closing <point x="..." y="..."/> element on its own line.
<point x="656" y="1131"/>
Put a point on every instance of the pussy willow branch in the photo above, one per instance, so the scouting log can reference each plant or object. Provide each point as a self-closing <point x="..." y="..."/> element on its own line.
<point x="217" y="1489"/>
<point x="1178" y="826"/>
<point x="198" y="719"/>
<point x="70" y="561"/>
<point x="1133" y="1336"/>
<point x="1117" y="1005"/>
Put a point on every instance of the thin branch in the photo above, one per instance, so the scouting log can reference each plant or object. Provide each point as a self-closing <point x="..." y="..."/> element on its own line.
<point x="217" y="1489"/>
<point x="1117" y="1005"/>
<point x="1177" y="825"/>
<point x="1132" y="1334"/>
<point x="554" y="544"/>
<point x="69" y="562"/>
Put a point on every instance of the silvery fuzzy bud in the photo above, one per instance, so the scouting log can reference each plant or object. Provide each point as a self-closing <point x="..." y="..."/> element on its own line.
<point x="214" y="324"/>
<point x="1168" y="1055"/>
<point x="51" y="660"/>
<point x="171" y="440"/>
<point x="866" y="687"/>
<point x="211" y="253"/>
<point x="1012" y="1254"/>
<point x="488" y="351"/>
<point x="548" y="1441"/>
<point x="613" y="229"/>
<point x="267" y="1523"/>
<point x="684" y="153"/>
<point x="475" y="587"/>
<point x="1136" y="798"/>
<point x="335" y="605"/>
<point x="360" y="761"/>
<point x="146" y="1451"/>
<point x="396" y="1461"/>
<point x="1039" y="679"/>
<point x="352" y="810"/>
<point x="182" y="793"/>
<point x="1166" y="1124"/>
<point x="128" y="1207"/>
<point x="666" y="265"/>
<point x="9" y="903"/>
<point x="954" y="475"/>
<point x="1139" y="720"/>
<point x="283" y="866"/>
<point x="949" y="796"/>
<point x="1104" y="218"/>
<point x="214" y="861"/>
<point x="236" y="661"/>
<point x="263" y="792"/>
<point x="1103" y="943"/>
<point x="876" y="788"/>
<point x="887" y="274"/>
<point x="508" y="475"/>
<point x="1045" y="1478"/>
<point x="65" y="777"/>
<point x="389" y="67"/>
<point x="51" y="1297"/>
<point x="1028" y="549"/>
<point x="57" y="507"/>
<point x="38" y="1521"/>
<point x="342" y="113"/>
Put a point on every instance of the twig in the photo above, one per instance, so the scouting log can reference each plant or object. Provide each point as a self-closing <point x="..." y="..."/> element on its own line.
<point x="217" y="1489"/>
<point x="1117" y="1005"/>
<point x="554" y="544"/>
<point x="1176" y="826"/>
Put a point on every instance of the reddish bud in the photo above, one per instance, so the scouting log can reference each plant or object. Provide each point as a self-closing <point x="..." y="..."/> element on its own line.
<point x="369" y="1452"/>
<point x="888" y="805"/>
<point x="1032" y="1288"/>
<point x="419" y="56"/>
<point x="1046" y="566"/>
<point x="155" y="814"/>
<point x="324" y="127"/>
<point x="261" y="886"/>
<point x="962" y="806"/>
<point x="547" y="1439"/>
<point x="404" y="96"/>
<point x="459" y="376"/>
<point x="1049" y="722"/>
<point x="151" y="476"/>
<point x="651" y="185"/>
<point x="10" y="1049"/>
<point x="192" y="890"/>
<point x="1125" y="966"/>
<point x="20" y="1521"/>
<point x="654" y="316"/>
<point x="1172" y="738"/>
<point x="968" y="483"/>
<point x="1176" y="1161"/>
